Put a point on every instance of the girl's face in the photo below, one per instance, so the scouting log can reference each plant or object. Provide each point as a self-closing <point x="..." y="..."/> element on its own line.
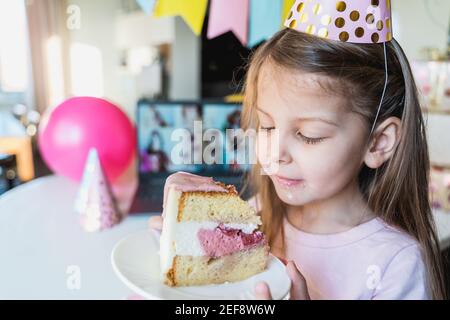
<point x="321" y="143"/>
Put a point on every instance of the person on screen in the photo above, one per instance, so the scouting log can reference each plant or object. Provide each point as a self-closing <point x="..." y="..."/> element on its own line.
<point x="154" y="159"/>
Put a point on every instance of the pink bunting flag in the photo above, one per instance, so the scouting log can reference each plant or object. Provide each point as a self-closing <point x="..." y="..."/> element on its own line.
<point x="229" y="15"/>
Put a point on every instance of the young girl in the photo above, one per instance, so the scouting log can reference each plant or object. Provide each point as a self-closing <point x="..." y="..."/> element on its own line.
<point x="350" y="209"/>
<point x="348" y="206"/>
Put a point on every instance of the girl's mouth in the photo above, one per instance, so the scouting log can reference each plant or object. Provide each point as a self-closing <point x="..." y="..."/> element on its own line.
<point x="286" y="182"/>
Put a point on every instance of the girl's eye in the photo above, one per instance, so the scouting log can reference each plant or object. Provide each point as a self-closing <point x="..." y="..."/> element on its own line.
<point x="309" y="140"/>
<point x="267" y="128"/>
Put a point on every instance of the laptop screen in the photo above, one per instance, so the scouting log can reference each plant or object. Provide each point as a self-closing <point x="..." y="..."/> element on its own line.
<point x="189" y="136"/>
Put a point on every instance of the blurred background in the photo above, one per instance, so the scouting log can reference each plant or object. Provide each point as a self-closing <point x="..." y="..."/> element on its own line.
<point x="52" y="50"/>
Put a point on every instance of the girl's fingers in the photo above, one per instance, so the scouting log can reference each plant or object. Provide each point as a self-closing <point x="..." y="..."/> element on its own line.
<point x="299" y="290"/>
<point x="285" y="262"/>
<point x="262" y="291"/>
<point x="155" y="222"/>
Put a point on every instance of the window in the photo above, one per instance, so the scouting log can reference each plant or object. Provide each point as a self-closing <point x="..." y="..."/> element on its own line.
<point x="14" y="51"/>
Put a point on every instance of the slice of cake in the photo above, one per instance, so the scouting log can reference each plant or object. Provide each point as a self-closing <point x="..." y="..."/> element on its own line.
<point x="209" y="235"/>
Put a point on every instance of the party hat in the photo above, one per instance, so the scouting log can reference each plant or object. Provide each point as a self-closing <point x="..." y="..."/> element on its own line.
<point x="356" y="21"/>
<point x="95" y="202"/>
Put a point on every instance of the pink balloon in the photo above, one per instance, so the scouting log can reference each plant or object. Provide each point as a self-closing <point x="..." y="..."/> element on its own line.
<point x="82" y="123"/>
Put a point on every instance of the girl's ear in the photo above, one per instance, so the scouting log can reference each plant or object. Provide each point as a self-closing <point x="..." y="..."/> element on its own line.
<point x="384" y="141"/>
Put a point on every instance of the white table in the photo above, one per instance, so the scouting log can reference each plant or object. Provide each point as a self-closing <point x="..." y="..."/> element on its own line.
<point x="41" y="239"/>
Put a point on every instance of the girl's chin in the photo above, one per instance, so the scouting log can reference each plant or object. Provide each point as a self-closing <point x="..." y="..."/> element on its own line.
<point x="291" y="197"/>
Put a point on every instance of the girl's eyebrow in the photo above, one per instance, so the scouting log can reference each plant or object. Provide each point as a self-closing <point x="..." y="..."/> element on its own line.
<point x="262" y="111"/>
<point x="306" y="118"/>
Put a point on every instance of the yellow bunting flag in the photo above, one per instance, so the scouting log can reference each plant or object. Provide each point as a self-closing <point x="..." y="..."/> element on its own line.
<point x="287" y="5"/>
<point x="192" y="11"/>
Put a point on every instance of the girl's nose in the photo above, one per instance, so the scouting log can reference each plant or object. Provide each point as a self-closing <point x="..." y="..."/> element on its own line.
<point x="280" y="151"/>
<point x="283" y="155"/>
<point x="273" y="151"/>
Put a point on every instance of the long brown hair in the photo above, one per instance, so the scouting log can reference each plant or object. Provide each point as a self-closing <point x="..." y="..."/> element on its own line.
<point x="398" y="190"/>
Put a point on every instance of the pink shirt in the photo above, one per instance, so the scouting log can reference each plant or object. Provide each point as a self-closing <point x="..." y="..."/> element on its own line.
<point x="369" y="261"/>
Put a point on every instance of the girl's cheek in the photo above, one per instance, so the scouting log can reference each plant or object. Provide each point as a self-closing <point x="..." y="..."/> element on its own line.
<point x="318" y="163"/>
<point x="334" y="169"/>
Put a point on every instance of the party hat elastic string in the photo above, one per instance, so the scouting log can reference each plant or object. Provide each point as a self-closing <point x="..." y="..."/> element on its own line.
<point x="384" y="89"/>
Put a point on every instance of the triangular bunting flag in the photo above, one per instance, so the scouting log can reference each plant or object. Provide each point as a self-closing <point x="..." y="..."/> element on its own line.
<point x="146" y="5"/>
<point x="264" y="20"/>
<point x="95" y="203"/>
<point x="229" y="15"/>
<point x="192" y="11"/>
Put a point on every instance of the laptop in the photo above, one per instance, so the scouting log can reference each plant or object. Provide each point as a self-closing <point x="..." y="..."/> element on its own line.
<point x="185" y="136"/>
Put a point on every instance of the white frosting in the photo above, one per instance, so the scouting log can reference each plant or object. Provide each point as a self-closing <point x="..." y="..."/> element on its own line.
<point x="167" y="249"/>
<point x="180" y="238"/>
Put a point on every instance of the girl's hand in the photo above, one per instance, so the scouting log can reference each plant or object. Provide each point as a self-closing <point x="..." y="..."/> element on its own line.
<point x="298" y="291"/>
<point x="262" y="291"/>
<point x="155" y="222"/>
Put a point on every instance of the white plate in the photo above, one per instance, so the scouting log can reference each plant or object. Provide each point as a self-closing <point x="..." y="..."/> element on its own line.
<point x="135" y="260"/>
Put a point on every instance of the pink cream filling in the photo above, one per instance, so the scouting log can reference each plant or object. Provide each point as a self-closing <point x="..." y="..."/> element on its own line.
<point x="222" y="240"/>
